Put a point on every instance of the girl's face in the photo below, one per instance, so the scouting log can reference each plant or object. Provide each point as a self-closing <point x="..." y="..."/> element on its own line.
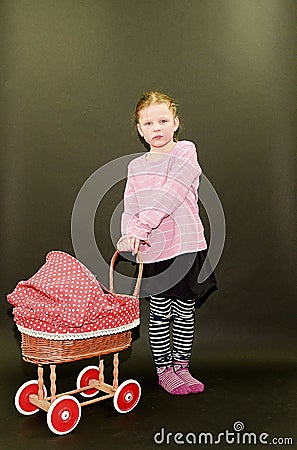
<point x="157" y="125"/>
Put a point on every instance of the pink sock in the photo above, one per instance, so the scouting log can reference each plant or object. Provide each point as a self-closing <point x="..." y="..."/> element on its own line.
<point x="181" y="369"/>
<point x="172" y="383"/>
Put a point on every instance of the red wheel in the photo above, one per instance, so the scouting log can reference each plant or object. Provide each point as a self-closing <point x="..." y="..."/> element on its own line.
<point x="21" y="399"/>
<point x="127" y="396"/>
<point x="85" y="376"/>
<point x="63" y="414"/>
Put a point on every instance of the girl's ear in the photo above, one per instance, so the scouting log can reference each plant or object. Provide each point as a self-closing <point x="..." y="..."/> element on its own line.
<point x="139" y="130"/>
<point x="176" y="122"/>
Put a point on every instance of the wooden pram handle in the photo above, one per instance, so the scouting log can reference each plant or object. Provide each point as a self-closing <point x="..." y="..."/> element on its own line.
<point x="138" y="282"/>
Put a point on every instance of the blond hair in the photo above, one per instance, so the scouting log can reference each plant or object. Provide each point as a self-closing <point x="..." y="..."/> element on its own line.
<point x="148" y="99"/>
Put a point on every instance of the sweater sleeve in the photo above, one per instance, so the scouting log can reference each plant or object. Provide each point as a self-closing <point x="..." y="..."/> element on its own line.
<point x="184" y="169"/>
<point x="131" y="207"/>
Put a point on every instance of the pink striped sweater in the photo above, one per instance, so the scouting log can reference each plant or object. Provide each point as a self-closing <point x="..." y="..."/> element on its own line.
<point x="160" y="203"/>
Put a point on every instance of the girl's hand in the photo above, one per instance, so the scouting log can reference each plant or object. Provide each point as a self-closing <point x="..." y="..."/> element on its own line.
<point x="134" y="242"/>
<point x="123" y="244"/>
<point x="128" y="243"/>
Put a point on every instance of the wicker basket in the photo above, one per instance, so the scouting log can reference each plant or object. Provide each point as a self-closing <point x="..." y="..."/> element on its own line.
<point x="39" y="350"/>
<point x="47" y="351"/>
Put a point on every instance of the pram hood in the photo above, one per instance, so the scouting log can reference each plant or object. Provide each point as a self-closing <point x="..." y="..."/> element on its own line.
<point x="64" y="300"/>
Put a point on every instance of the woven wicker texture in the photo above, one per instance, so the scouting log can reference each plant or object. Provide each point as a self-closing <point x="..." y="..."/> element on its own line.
<point x="45" y="351"/>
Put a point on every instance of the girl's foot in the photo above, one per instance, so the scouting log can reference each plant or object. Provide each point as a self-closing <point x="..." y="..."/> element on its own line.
<point x="171" y="382"/>
<point x="181" y="369"/>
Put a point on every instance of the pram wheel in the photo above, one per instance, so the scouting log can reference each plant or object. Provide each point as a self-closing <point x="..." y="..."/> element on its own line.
<point x="22" y="401"/>
<point x="127" y="396"/>
<point x="63" y="414"/>
<point x="83" y="380"/>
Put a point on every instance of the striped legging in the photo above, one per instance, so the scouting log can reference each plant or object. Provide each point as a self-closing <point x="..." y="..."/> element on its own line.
<point x="181" y="313"/>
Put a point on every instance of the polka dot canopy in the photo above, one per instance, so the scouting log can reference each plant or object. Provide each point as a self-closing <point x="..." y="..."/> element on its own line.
<point x="64" y="300"/>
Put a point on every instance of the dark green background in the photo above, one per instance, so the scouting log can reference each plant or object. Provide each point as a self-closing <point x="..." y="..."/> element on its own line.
<point x="71" y="73"/>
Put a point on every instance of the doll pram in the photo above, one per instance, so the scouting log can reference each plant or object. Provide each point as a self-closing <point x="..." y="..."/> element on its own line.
<point x="106" y="336"/>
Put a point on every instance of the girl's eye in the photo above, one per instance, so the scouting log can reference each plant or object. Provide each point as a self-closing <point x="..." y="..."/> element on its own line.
<point x="163" y="120"/>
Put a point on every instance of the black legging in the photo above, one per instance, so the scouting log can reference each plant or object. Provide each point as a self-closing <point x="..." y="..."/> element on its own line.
<point x="181" y="312"/>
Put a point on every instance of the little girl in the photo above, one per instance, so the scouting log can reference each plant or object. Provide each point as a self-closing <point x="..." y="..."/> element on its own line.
<point x="161" y="220"/>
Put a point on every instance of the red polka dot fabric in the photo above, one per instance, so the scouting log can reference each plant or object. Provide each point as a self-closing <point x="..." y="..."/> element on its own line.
<point x="64" y="300"/>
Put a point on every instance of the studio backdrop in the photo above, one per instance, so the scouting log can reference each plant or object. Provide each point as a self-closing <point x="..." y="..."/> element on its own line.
<point x="71" y="74"/>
